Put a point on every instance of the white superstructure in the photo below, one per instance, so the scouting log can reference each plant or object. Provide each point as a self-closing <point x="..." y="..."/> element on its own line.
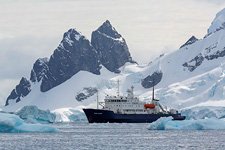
<point x="132" y="105"/>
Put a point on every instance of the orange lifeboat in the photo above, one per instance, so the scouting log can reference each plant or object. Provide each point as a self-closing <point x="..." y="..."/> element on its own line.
<point x="151" y="106"/>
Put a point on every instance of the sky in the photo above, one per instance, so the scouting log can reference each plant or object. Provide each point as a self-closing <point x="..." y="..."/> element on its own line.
<point x="31" y="29"/>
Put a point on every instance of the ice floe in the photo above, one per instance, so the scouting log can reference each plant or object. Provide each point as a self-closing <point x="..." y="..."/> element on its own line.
<point x="199" y="124"/>
<point x="13" y="123"/>
<point x="33" y="114"/>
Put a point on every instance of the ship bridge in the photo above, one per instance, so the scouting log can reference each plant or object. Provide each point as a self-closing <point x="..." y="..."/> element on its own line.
<point x="127" y="104"/>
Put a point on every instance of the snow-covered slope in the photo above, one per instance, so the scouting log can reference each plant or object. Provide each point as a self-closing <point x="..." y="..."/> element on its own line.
<point x="192" y="76"/>
<point x="218" y="23"/>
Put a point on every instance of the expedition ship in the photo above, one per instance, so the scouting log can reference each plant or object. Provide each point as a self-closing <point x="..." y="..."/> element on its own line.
<point x="129" y="109"/>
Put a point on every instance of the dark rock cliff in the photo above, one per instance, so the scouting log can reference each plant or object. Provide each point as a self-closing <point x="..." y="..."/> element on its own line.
<point x="152" y="80"/>
<point x="21" y="90"/>
<point x="111" y="47"/>
<point x="74" y="53"/>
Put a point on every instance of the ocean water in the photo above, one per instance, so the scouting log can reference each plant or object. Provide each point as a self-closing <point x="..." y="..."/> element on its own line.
<point x="113" y="136"/>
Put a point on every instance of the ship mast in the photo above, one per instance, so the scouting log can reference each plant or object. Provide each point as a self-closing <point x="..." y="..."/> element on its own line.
<point x="132" y="91"/>
<point x="118" y="87"/>
<point x="153" y="92"/>
<point x="97" y="99"/>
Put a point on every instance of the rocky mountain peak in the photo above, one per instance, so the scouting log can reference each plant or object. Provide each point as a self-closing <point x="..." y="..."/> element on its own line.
<point x="74" y="53"/>
<point x="107" y="29"/>
<point x="111" y="47"/>
<point x="21" y="90"/>
<point x="190" y="41"/>
<point x="72" y="34"/>
<point x="40" y="68"/>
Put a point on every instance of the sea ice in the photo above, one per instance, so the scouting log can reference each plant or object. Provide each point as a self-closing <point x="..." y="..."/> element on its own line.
<point x="13" y="123"/>
<point x="166" y="123"/>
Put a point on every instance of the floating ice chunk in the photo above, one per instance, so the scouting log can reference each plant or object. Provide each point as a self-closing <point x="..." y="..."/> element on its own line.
<point x="32" y="114"/>
<point x="200" y="124"/>
<point x="13" y="123"/>
<point x="69" y="115"/>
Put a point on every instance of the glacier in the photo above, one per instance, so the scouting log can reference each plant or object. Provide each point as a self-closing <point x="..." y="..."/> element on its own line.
<point x="11" y="123"/>
<point x="166" y="123"/>
<point x="203" y="112"/>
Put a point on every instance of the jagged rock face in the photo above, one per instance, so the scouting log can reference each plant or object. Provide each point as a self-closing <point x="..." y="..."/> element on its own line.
<point x="152" y="80"/>
<point x="194" y="63"/>
<point x="86" y="93"/>
<point x="21" y="90"/>
<point x="111" y="47"/>
<point x="192" y="40"/>
<point x="208" y="55"/>
<point x="40" y="68"/>
<point x="75" y="53"/>
<point x="216" y="55"/>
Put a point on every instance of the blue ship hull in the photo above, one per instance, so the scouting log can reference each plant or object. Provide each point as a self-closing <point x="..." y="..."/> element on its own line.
<point x="104" y="116"/>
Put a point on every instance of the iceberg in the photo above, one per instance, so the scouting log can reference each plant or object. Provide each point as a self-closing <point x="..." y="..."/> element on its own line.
<point x="166" y="123"/>
<point x="11" y="123"/>
<point x="32" y="114"/>
<point x="69" y="115"/>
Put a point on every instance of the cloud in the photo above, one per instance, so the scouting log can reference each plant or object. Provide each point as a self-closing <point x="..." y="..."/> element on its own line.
<point x="5" y="89"/>
<point x="17" y="55"/>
